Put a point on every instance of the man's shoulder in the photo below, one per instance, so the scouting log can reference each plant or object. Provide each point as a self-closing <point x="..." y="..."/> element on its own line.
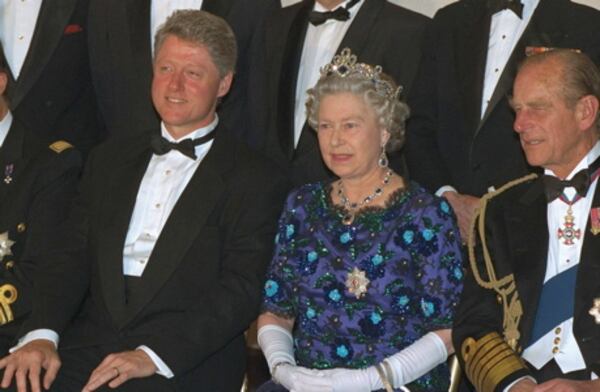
<point x="395" y="11"/>
<point x="458" y="11"/>
<point x="58" y="155"/>
<point x="247" y="161"/>
<point x="520" y="190"/>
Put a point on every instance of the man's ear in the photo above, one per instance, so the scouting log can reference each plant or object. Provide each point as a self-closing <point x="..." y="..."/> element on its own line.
<point x="586" y="111"/>
<point x="3" y="82"/>
<point x="225" y="84"/>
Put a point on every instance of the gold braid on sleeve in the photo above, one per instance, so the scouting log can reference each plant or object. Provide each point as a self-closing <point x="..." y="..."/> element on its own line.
<point x="491" y="358"/>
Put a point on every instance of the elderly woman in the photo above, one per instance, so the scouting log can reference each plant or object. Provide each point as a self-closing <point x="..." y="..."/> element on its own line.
<point x="367" y="269"/>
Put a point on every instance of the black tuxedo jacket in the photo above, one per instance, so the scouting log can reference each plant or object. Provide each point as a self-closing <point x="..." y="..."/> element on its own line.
<point x="53" y="95"/>
<point x="447" y="143"/>
<point x="121" y="60"/>
<point x="37" y="185"/>
<point x="517" y="237"/>
<point x="381" y="33"/>
<point x="202" y="285"/>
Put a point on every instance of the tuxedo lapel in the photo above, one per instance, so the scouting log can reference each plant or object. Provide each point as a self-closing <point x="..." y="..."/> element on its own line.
<point x="138" y="15"/>
<point x="357" y="35"/>
<point x="292" y="45"/>
<point x="528" y="239"/>
<point x="198" y="200"/>
<point x="49" y="30"/>
<point x="126" y="179"/>
<point x="471" y="48"/>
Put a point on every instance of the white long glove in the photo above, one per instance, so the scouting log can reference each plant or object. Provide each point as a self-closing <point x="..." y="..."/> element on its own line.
<point x="407" y="366"/>
<point x="301" y="379"/>
<point x="277" y="345"/>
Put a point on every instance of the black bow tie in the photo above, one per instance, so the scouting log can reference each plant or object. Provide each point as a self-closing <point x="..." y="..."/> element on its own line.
<point x="161" y="146"/>
<point x="499" y="5"/>
<point x="554" y="186"/>
<point x="340" y="13"/>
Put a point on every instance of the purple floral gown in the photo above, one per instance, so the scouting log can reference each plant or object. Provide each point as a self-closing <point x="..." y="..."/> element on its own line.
<point x="410" y="253"/>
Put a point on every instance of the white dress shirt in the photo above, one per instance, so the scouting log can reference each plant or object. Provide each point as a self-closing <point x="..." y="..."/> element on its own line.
<point x="320" y="44"/>
<point x="5" y="124"/>
<point x="160" y="10"/>
<point x="165" y="179"/>
<point x="17" y="25"/>
<point x="506" y="28"/>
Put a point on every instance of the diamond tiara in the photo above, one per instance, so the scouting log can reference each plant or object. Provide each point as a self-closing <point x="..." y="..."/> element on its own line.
<point x="345" y="65"/>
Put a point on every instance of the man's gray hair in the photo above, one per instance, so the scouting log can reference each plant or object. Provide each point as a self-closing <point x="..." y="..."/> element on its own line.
<point x="202" y="28"/>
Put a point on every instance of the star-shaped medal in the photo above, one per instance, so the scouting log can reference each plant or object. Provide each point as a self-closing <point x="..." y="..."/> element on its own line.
<point x="5" y="245"/>
<point x="357" y="282"/>
<point x="595" y="310"/>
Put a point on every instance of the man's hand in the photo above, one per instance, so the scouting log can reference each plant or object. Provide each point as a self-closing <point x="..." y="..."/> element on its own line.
<point x="464" y="207"/>
<point x="117" y="368"/>
<point x="26" y="364"/>
<point x="562" y="385"/>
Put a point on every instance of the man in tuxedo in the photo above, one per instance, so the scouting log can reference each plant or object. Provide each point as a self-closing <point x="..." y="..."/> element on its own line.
<point x="121" y="37"/>
<point x="37" y="186"/>
<point x="530" y="309"/>
<point x="165" y="251"/>
<point x="50" y="89"/>
<point x="294" y="41"/>
<point x="459" y="138"/>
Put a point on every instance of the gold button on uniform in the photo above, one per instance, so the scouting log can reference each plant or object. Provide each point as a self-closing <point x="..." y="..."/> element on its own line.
<point x="555" y="350"/>
<point x="21" y="227"/>
<point x="9" y="264"/>
<point x="556" y="341"/>
<point x="557" y="330"/>
<point x="499" y="299"/>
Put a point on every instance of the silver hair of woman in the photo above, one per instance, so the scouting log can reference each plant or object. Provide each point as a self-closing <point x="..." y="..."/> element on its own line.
<point x="345" y="65"/>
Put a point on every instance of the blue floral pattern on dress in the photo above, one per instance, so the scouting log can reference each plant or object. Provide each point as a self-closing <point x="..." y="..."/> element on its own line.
<point x="409" y="251"/>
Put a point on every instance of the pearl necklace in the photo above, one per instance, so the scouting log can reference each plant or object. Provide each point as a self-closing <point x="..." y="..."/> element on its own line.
<point x="348" y="218"/>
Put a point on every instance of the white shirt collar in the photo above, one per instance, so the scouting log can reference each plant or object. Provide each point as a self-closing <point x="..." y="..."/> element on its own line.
<point x="193" y="135"/>
<point x="319" y="7"/>
<point x="587" y="160"/>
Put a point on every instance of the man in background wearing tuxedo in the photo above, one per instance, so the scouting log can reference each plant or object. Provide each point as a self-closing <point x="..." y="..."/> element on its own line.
<point x="50" y="89"/>
<point x="294" y="41"/>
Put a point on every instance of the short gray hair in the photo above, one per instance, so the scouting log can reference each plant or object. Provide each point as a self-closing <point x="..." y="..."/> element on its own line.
<point x="202" y="28"/>
<point x="391" y="113"/>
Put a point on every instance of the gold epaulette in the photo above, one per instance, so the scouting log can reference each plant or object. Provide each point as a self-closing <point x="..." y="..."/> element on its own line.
<point x="505" y="287"/>
<point x="60" y="146"/>
<point x="489" y="360"/>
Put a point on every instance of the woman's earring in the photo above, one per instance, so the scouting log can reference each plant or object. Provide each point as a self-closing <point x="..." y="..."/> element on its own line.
<point x="383" y="159"/>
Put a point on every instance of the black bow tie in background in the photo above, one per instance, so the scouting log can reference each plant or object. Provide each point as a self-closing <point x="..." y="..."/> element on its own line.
<point x="161" y="146"/>
<point x="340" y="13"/>
<point x="499" y="5"/>
<point x="554" y="186"/>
